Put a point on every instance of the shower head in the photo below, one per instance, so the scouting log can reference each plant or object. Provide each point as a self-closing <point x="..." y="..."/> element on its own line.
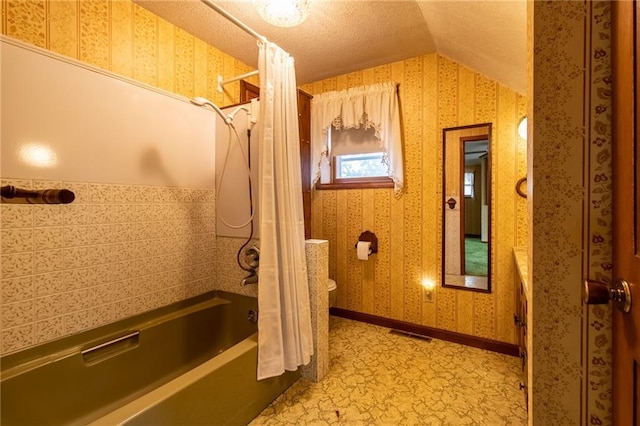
<point x="199" y="101"/>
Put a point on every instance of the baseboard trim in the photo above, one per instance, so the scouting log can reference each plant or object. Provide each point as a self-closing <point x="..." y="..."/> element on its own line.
<point x="436" y="333"/>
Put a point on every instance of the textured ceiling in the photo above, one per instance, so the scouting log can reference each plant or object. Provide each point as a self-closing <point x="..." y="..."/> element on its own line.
<point x="342" y="36"/>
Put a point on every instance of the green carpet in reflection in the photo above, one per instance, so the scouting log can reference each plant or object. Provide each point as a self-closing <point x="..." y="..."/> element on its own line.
<point x="475" y="256"/>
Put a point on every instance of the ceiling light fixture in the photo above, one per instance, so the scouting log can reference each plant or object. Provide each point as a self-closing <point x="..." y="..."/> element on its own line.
<point x="283" y="13"/>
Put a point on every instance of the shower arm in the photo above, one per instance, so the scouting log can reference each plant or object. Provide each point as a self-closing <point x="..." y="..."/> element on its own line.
<point x="233" y="113"/>
<point x="228" y="119"/>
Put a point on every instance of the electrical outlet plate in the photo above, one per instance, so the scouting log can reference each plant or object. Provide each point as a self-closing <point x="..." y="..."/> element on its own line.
<point x="428" y="295"/>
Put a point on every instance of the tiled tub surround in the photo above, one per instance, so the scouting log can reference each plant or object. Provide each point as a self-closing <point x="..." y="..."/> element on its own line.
<point x="229" y="277"/>
<point x="228" y="274"/>
<point x="116" y="251"/>
<point x="317" y="252"/>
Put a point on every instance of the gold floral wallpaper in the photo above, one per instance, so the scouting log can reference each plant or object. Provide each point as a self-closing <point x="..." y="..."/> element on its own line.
<point x="557" y="212"/>
<point x="435" y="92"/>
<point x="122" y="37"/>
<point x="570" y="72"/>
<point x="600" y="254"/>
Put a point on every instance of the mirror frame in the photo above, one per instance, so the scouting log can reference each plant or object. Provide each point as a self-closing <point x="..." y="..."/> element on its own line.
<point x="444" y="205"/>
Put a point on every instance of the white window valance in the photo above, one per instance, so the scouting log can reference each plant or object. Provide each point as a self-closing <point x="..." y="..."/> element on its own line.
<point x="374" y="106"/>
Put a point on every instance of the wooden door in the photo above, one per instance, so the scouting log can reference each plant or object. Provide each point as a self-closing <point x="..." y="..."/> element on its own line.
<point x="248" y="91"/>
<point x="304" y="124"/>
<point x="626" y="200"/>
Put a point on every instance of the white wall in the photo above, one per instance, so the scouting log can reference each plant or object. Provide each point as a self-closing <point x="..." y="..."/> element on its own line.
<point x="99" y="127"/>
<point x="232" y="180"/>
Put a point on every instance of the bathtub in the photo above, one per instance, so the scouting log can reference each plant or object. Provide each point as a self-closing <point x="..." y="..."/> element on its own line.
<point x="193" y="362"/>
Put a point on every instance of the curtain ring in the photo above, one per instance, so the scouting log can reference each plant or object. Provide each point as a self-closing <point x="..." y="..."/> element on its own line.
<point x="519" y="185"/>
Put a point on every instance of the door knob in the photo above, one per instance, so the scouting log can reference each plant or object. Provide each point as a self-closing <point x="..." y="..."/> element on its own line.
<point x="452" y="203"/>
<point x="597" y="293"/>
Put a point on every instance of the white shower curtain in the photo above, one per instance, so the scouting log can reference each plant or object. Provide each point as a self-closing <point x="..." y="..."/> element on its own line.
<point x="284" y="323"/>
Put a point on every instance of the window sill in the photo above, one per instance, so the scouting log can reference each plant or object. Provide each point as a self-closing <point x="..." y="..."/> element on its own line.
<point x="354" y="185"/>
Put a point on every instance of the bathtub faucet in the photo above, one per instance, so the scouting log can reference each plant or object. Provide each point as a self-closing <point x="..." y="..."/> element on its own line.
<point x="252" y="257"/>
<point x="252" y="278"/>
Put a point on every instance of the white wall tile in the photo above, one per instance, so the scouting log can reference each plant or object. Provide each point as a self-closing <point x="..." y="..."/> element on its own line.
<point x="16" y="289"/>
<point x="89" y="263"/>
<point x="16" y="240"/>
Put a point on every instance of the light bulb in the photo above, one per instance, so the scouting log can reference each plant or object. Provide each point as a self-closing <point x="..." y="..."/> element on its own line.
<point x="522" y="128"/>
<point x="428" y="283"/>
<point x="283" y="13"/>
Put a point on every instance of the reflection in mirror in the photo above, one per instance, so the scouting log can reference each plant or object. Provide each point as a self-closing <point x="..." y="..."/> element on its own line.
<point x="466" y="212"/>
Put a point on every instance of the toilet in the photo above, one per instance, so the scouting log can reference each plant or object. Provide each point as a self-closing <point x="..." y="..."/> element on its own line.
<point x="332" y="286"/>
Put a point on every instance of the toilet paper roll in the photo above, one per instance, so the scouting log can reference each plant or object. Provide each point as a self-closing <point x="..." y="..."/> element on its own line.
<point x="363" y="250"/>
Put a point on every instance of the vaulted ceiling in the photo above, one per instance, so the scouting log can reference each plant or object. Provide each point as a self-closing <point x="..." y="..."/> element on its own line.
<point x="342" y="36"/>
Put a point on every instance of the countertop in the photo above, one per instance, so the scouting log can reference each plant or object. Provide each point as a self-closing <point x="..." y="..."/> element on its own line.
<point x="520" y="257"/>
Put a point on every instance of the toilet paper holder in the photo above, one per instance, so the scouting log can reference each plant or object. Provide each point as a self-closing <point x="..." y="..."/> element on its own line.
<point x="370" y="237"/>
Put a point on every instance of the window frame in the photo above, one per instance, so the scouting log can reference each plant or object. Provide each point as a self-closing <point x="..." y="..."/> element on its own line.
<point x="352" y="183"/>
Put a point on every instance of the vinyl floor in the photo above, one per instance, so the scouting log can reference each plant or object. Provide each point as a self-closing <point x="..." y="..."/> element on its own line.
<point x="378" y="378"/>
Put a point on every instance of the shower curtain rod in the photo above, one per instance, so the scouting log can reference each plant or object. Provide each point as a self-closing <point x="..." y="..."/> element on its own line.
<point x="233" y="19"/>
<point x="231" y="80"/>
<point x="243" y="27"/>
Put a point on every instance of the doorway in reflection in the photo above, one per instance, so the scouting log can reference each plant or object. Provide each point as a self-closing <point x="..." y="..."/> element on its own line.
<point x="466" y="208"/>
<point x="475" y="260"/>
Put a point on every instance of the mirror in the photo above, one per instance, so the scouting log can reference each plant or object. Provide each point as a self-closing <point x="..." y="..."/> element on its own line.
<point x="466" y="212"/>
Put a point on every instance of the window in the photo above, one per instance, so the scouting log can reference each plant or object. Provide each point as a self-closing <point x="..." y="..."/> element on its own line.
<point x="356" y="160"/>
<point x="360" y="166"/>
<point x="469" y="181"/>
<point x="356" y="139"/>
